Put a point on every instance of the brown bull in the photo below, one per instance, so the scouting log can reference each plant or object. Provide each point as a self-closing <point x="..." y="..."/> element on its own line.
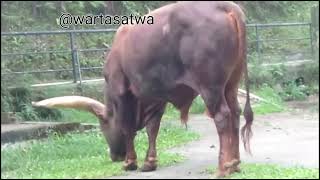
<point x="193" y="48"/>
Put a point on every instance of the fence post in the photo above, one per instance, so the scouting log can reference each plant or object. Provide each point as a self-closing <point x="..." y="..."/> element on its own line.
<point x="311" y="41"/>
<point x="73" y="57"/>
<point x="257" y="40"/>
<point x="79" y="67"/>
<point x="75" y="60"/>
<point x="314" y="30"/>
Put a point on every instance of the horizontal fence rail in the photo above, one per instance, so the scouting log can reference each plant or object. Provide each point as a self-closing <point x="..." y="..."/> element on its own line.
<point x="56" y="32"/>
<point x="75" y="61"/>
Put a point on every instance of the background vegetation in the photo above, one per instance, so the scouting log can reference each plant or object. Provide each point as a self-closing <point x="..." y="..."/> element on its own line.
<point x="58" y="156"/>
<point x="16" y="93"/>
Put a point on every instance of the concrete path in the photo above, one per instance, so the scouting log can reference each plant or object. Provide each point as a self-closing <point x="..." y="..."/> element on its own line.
<point x="21" y="131"/>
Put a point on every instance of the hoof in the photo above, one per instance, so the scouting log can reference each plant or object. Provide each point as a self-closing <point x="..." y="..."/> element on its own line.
<point x="229" y="168"/>
<point x="131" y="166"/>
<point x="149" y="166"/>
<point x="232" y="163"/>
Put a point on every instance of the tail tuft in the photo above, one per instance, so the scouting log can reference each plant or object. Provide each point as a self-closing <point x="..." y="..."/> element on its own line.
<point x="246" y="132"/>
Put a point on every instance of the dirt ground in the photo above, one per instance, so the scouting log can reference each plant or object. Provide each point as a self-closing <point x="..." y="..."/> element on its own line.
<point x="288" y="138"/>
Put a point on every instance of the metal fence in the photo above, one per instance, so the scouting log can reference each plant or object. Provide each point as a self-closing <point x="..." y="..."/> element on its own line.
<point x="74" y="50"/>
<point x="259" y="27"/>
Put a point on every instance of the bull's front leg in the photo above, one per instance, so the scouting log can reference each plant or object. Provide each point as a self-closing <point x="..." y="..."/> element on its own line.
<point x="150" y="163"/>
<point x="126" y="114"/>
<point x="153" y="118"/>
<point x="131" y="156"/>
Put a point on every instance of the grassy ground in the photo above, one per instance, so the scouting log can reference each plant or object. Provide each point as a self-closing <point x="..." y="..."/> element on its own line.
<point x="83" y="155"/>
<point x="275" y="104"/>
<point x="271" y="171"/>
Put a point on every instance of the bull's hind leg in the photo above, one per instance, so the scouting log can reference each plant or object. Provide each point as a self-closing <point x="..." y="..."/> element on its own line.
<point x="218" y="108"/>
<point x="153" y="118"/>
<point x="231" y="93"/>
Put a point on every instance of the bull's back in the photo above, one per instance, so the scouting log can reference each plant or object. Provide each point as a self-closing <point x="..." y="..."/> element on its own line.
<point x="204" y="32"/>
<point x="184" y="34"/>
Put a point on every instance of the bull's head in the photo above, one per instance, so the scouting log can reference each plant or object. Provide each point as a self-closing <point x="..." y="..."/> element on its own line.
<point x="108" y="124"/>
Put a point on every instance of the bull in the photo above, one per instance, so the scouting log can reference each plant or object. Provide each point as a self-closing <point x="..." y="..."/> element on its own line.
<point x="193" y="48"/>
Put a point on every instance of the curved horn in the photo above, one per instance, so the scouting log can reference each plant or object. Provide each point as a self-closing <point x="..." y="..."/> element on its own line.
<point x="76" y="102"/>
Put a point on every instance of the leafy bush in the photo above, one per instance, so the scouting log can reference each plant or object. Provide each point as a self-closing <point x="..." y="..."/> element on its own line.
<point x="27" y="113"/>
<point x="292" y="91"/>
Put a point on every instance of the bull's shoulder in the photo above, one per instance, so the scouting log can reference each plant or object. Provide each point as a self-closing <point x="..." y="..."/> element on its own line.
<point x="123" y="29"/>
<point x="120" y="35"/>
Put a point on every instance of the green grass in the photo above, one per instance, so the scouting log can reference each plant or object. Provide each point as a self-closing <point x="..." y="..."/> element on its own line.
<point x="83" y="155"/>
<point x="171" y="112"/>
<point x="271" y="171"/>
<point x="274" y="102"/>
<point x="198" y="106"/>
<point x="73" y="115"/>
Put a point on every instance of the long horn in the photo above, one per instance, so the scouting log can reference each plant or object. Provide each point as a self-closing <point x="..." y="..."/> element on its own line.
<point x="76" y="102"/>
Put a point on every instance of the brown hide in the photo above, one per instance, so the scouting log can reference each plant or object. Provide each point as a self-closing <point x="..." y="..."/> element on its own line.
<point x="189" y="45"/>
<point x="193" y="48"/>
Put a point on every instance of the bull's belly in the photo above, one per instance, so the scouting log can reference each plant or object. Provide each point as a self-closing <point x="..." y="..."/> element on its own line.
<point x="152" y="87"/>
<point x="156" y="80"/>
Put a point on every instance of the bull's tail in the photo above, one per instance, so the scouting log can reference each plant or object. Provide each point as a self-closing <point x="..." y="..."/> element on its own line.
<point x="246" y="132"/>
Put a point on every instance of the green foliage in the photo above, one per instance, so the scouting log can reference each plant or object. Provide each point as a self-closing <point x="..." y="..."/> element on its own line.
<point x="27" y="113"/>
<point x="33" y="16"/>
<point x="83" y="155"/>
<point x="282" y="79"/>
<point x="277" y="11"/>
<point x="274" y="101"/>
<point x="47" y="114"/>
<point x="171" y="112"/>
<point x="292" y="91"/>
<point x="198" y="106"/>
<point x="10" y="101"/>
<point x="30" y="16"/>
<point x="18" y="100"/>
<point x="21" y="97"/>
<point x="310" y="72"/>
